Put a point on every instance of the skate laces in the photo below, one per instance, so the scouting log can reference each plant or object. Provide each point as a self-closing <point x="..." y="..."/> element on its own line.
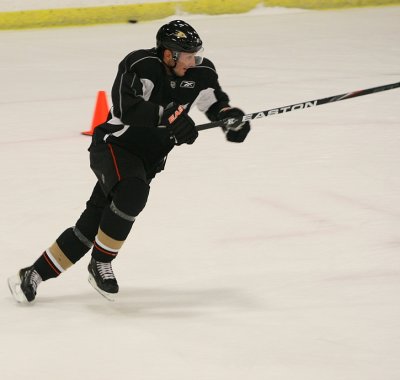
<point x="105" y="270"/>
<point x="34" y="279"/>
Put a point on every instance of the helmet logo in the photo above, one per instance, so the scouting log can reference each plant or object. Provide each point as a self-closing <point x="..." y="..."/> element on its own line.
<point x="180" y="34"/>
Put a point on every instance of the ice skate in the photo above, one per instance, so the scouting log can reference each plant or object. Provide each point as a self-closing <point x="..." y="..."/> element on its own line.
<point x="24" y="284"/>
<point x="101" y="277"/>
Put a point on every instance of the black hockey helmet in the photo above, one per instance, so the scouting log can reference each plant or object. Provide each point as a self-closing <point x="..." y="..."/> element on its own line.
<point x="178" y="36"/>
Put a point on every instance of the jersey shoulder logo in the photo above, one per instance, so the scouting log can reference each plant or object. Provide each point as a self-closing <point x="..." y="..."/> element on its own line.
<point x="187" y="84"/>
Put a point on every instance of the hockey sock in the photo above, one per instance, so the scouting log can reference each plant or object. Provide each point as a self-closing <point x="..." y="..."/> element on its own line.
<point x="114" y="229"/>
<point x="65" y="251"/>
<point x="74" y="242"/>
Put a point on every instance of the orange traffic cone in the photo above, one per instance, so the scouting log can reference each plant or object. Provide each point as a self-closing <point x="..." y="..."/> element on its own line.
<point x="100" y="112"/>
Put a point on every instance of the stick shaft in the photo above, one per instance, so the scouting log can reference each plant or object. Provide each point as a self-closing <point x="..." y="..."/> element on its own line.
<point x="298" y="106"/>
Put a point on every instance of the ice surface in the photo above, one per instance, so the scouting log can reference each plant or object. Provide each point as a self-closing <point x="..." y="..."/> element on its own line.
<point x="275" y="259"/>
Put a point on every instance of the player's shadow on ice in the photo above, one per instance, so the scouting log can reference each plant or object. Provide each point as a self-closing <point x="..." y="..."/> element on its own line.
<point x="166" y="302"/>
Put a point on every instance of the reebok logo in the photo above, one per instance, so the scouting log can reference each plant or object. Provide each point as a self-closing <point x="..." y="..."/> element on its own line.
<point x="187" y="84"/>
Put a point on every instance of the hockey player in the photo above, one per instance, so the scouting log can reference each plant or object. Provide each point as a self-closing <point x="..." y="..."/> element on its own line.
<point x="153" y="92"/>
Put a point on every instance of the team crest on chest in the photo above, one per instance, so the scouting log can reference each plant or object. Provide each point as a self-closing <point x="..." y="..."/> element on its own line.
<point x="187" y="84"/>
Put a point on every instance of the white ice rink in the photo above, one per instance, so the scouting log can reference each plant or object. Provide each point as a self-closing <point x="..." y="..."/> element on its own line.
<point x="276" y="259"/>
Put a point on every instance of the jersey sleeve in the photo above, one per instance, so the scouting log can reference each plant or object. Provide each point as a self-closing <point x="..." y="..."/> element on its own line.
<point x="222" y="101"/>
<point x="212" y="98"/>
<point x="131" y="90"/>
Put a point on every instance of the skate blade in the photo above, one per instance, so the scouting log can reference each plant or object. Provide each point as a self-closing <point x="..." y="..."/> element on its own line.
<point x="108" y="296"/>
<point x="14" y="284"/>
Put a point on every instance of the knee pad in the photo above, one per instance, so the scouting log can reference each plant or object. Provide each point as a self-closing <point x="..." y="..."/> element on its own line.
<point x="130" y="197"/>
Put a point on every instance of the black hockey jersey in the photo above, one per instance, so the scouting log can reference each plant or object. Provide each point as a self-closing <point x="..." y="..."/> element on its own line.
<point x="142" y="89"/>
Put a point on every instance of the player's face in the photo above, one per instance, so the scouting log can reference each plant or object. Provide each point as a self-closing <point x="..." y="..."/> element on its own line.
<point x="180" y="62"/>
<point x="184" y="62"/>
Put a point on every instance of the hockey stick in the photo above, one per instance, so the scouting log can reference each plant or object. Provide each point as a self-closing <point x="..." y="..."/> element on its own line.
<point x="298" y="106"/>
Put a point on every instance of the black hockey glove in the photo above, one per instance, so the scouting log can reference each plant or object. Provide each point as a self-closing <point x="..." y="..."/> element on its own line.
<point x="238" y="130"/>
<point x="179" y="124"/>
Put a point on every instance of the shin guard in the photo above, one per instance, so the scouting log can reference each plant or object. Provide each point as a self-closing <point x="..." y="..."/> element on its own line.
<point x="129" y="199"/>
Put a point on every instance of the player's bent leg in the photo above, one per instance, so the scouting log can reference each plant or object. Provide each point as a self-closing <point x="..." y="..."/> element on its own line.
<point x="69" y="247"/>
<point x="129" y="198"/>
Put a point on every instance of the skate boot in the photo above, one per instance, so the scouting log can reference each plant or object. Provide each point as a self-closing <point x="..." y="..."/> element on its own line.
<point x="24" y="284"/>
<point x="101" y="277"/>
